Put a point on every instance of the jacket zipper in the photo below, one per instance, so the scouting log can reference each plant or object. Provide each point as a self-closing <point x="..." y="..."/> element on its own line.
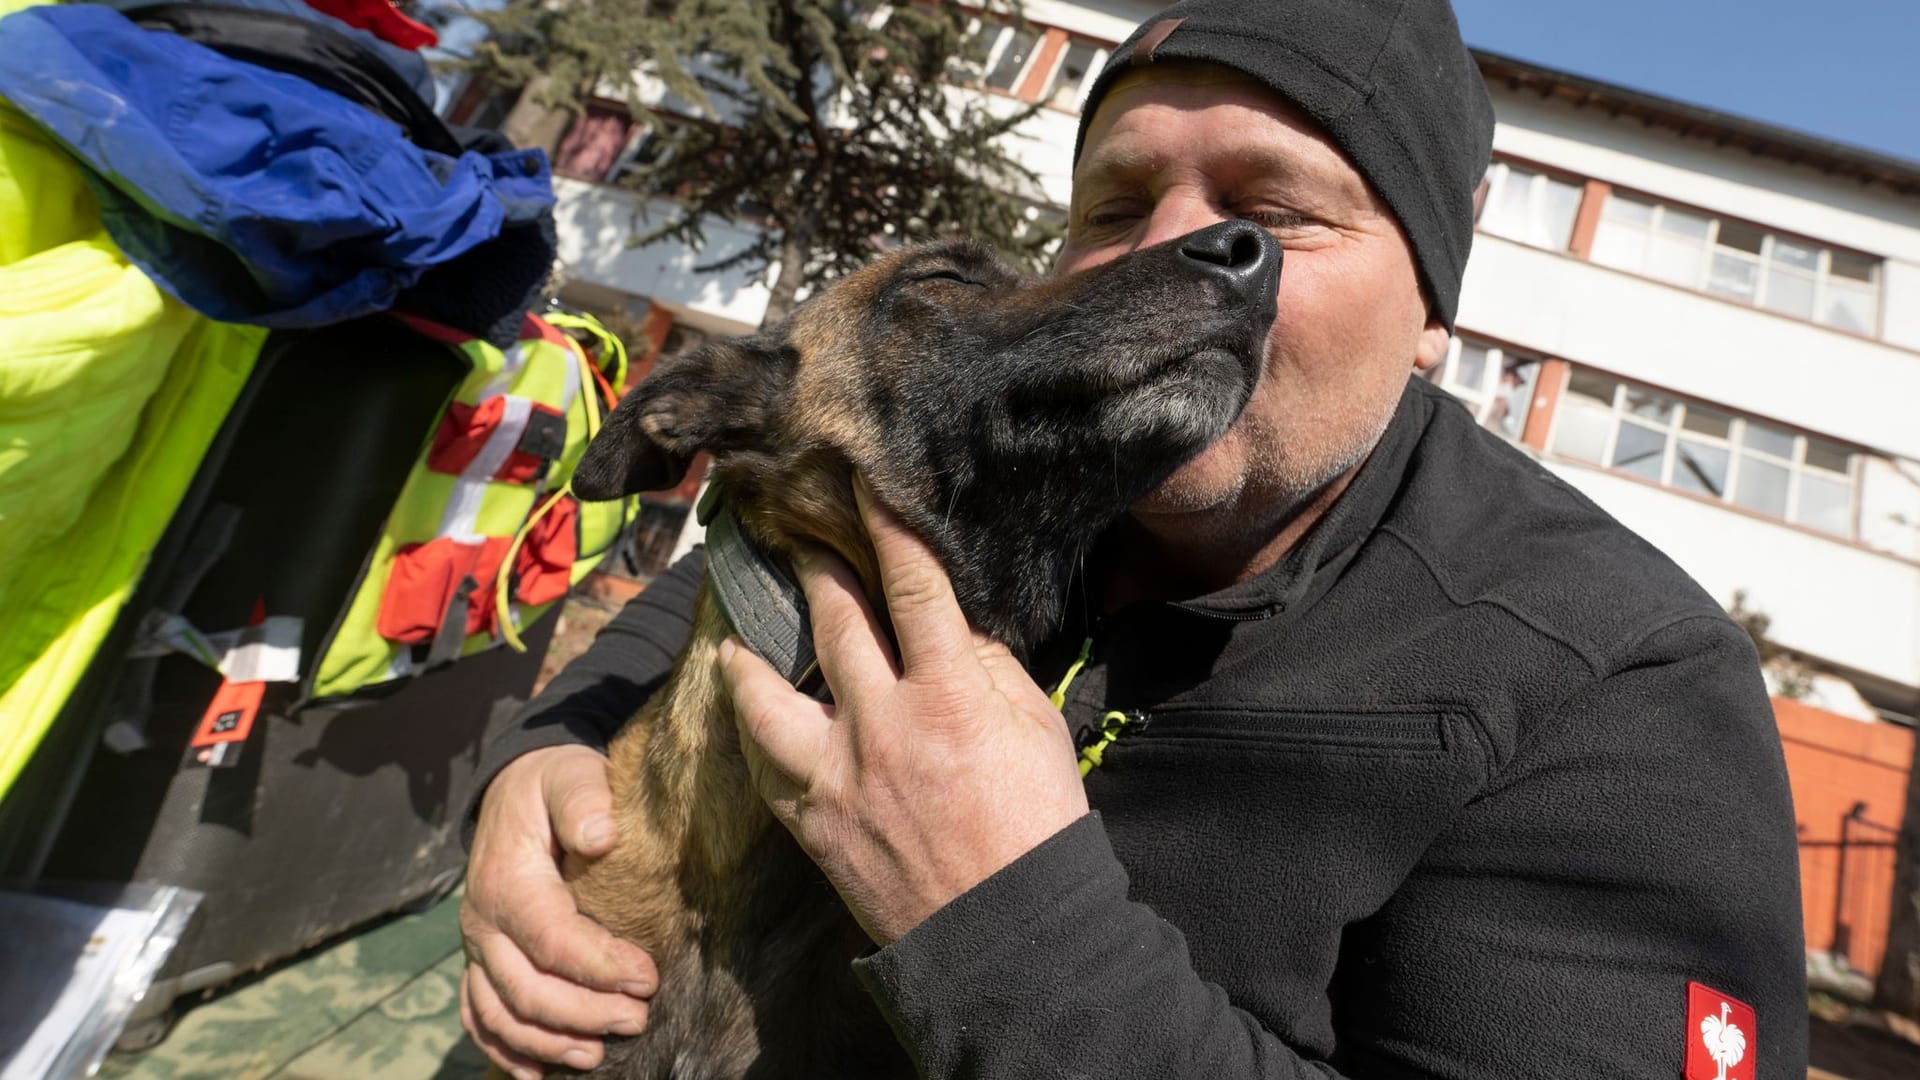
<point x="1384" y="731"/>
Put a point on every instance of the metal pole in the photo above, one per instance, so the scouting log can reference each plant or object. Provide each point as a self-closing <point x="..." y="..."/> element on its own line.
<point x="1842" y="932"/>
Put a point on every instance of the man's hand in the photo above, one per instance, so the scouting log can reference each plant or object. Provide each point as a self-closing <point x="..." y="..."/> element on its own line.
<point x="544" y="983"/>
<point x="930" y="771"/>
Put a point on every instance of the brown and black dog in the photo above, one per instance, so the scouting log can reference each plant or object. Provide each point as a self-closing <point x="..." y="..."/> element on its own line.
<point x="1006" y="419"/>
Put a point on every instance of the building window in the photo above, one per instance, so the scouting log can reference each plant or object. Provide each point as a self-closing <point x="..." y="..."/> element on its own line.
<point x="1741" y="262"/>
<point x="642" y="149"/>
<point x="1494" y="383"/>
<point x="1033" y="63"/>
<point x="1697" y="448"/>
<point x="595" y="142"/>
<point x="1080" y="63"/>
<point x="1003" y="53"/>
<point x="1530" y="207"/>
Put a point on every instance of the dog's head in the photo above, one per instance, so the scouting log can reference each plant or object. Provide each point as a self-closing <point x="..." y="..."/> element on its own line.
<point x="1007" y="419"/>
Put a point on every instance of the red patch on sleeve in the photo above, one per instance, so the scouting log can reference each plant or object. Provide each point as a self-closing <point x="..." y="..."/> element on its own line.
<point x="1722" y="1040"/>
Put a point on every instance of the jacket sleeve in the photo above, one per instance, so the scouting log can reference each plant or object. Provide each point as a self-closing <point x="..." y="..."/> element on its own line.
<point x="600" y="690"/>
<point x="1641" y="838"/>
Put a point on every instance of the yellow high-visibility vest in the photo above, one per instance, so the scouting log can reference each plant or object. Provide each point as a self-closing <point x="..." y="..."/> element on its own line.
<point x="484" y="536"/>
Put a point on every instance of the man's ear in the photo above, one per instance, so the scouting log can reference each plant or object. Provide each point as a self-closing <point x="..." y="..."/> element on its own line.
<point x="720" y="397"/>
<point x="1432" y="346"/>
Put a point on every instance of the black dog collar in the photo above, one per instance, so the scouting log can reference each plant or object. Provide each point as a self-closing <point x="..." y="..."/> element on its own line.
<point x="765" y="606"/>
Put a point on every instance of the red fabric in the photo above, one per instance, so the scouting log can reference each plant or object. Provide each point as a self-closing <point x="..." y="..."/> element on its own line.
<point x="424" y="580"/>
<point x="1722" y="1041"/>
<point x="434" y="330"/>
<point x="380" y="18"/>
<point x="545" y="561"/>
<point x="464" y="429"/>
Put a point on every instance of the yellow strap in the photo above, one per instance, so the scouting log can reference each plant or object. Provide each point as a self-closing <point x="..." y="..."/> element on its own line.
<point x="1110" y="725"/>
<point x="610" y="343"/>
<point x="502" y="608"/>
<point x="1059" y="695"/>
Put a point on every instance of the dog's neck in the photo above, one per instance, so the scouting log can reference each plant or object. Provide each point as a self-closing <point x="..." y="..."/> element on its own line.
<point x="687" y="779"/>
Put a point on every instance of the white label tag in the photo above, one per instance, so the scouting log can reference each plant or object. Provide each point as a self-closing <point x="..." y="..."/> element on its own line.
<point x="268" y="652"/>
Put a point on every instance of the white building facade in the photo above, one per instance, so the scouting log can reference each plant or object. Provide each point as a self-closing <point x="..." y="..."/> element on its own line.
<point x="1712" y="328"/>
<point x="1709" y="326"/>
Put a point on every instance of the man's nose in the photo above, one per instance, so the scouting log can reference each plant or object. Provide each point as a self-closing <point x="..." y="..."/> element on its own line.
<point x="1240" y="254"/>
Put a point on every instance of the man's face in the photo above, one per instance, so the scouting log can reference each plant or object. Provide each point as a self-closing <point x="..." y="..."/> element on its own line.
<point x="1178" y="147"/>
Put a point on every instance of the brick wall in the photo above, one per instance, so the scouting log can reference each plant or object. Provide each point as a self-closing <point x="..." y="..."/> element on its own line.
<point x="1835" y="763"/>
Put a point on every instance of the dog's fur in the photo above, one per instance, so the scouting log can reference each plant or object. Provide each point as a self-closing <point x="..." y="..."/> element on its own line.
<point x="1006" y="419"/>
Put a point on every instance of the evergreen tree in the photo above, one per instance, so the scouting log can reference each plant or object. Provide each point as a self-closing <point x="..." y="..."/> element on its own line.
<point x="835" y="136"/>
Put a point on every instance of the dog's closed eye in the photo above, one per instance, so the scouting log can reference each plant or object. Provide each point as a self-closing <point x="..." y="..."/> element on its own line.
<point x="949" y="274"/>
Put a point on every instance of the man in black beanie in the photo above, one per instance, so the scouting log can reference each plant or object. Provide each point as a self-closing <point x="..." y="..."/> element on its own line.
<point x="1425" y="766"/>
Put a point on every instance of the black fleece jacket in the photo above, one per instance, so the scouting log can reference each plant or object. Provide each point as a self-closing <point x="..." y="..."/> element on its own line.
<point x="1471" y="784"/>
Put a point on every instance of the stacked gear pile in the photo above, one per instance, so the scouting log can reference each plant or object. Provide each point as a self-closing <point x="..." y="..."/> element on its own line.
<point x="190" y="193"/>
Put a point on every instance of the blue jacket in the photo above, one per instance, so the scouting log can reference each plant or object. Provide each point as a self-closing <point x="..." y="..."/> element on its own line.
<point x="410" y="65"/>
<point x="251" y="195"/>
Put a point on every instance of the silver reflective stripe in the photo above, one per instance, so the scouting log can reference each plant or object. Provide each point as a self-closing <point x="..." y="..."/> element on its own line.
<point x="463" y="507"/>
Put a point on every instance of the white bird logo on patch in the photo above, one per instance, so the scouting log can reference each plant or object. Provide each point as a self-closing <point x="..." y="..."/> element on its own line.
<point x="1726" y="1043"/>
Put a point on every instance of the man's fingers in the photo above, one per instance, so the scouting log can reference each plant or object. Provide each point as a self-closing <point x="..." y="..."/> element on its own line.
<point x="855" y="656"/>
<point x="535" y="997"/>
<point x="926" y="618"/>
<point x="782" y="731"/>
<point x="522" y="1039"/>
<point x="581" y="803"/>
<point x="545" y="924"/>
<point x="497" y="1051"/>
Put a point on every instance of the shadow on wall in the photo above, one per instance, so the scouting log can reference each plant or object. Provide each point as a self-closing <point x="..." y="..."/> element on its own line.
<point x="1849" y="782"/>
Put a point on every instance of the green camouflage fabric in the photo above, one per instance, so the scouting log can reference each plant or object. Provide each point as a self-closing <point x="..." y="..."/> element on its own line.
<point x="384" y="1004"/>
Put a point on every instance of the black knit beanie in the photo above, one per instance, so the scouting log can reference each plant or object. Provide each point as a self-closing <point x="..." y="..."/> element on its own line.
<point x="1389" y="81"/>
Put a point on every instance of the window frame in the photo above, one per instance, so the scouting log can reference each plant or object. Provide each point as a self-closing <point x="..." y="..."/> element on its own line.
<point x="1500" y="172"/>
<point x="1763" y="261"/>
<point x="1481" y="400"/>
<point x="1102" y="51"/>
<point x="1030" y="84"/>
<point x="639" y="136"/>
<point x="1733" y="443"/>
<point x="1002" y="39"/>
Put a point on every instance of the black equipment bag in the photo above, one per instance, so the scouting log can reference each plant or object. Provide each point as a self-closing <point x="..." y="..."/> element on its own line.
<point x="331" y="815"/>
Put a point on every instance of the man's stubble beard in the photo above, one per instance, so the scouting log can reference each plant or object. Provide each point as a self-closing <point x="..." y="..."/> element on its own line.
<point x="1285" y="471"/>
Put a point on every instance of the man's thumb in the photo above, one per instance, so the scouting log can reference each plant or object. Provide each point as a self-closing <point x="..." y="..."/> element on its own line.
<point x="581" y="803"/>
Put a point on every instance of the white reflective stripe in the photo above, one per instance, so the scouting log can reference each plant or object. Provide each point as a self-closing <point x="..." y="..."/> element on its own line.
<point x="511" y="361"/>
<point x="572" y="389"/>
<point x="463" y="507"/>
<point x="267" y="652"/>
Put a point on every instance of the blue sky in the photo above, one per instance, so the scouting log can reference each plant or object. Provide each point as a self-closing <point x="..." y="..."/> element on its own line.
<point x="1847" y="70"/>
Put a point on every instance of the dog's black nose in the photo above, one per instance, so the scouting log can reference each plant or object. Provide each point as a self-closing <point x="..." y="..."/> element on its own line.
<point x="1241" y="254"/>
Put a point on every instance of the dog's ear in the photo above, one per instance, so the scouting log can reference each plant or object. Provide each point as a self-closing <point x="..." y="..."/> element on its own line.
<point x="720" y="397"/>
